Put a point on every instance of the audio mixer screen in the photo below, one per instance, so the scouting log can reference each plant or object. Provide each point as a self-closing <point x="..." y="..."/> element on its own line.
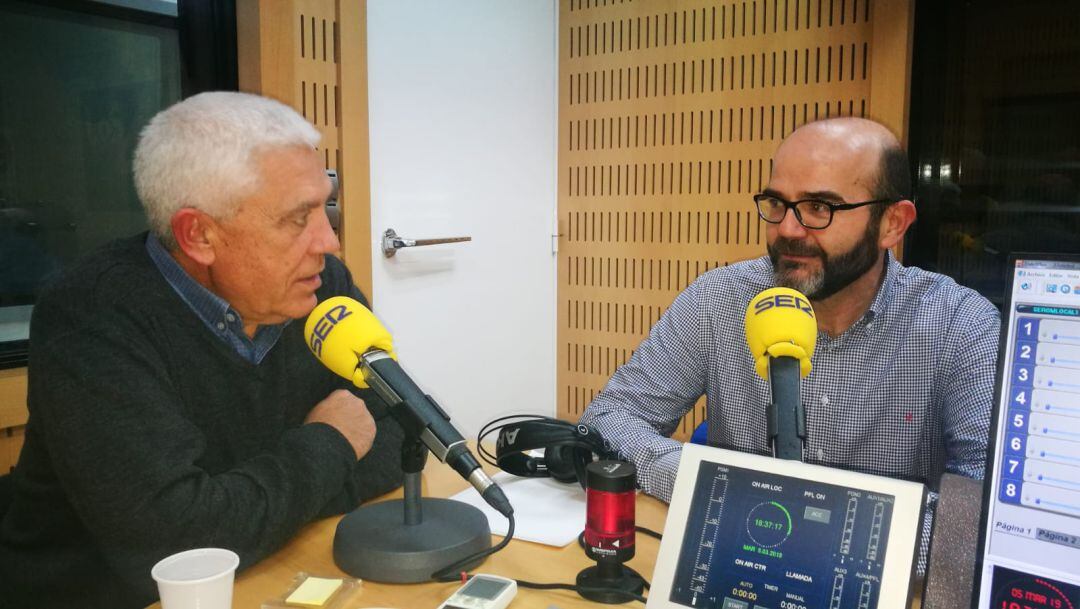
<point x="756" y="539"/>
<point x="1030" y="551"/>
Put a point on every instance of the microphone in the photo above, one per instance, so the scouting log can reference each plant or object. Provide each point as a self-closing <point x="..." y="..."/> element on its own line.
<point x="349" y="340"/>
<point x="781" y="331"/>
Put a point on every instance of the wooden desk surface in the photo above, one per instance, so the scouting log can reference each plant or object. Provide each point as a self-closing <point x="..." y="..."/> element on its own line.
<point x="311" y="551"/>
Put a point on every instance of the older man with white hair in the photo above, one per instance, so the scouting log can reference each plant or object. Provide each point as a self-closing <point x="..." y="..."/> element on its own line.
<point x="173" y="402"/>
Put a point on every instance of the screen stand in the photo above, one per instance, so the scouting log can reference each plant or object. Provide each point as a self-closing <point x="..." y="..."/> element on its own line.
<point x="404" y="541"/>
<point x="954" y="543"/>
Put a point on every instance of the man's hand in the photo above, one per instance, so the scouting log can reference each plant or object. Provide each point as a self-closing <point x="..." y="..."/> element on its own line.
<point x="346" y="413"/>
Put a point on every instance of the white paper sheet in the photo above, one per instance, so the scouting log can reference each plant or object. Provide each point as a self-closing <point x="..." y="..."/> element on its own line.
<point x="545" y="511"/>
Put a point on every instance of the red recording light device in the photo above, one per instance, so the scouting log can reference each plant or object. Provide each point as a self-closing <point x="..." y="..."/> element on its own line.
<point x="609" y="533"/>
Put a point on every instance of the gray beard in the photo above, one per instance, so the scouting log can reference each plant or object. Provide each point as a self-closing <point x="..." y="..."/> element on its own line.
<point x="807" y="284"/>
<point x="837" y="272"/>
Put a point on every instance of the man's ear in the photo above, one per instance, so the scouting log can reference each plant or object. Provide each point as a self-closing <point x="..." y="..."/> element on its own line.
<point x="895" y="222"/>
<point x="192" y="231"/>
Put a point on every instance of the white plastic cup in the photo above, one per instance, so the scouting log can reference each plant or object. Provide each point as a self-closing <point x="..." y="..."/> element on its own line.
<point x="196" y="579"/>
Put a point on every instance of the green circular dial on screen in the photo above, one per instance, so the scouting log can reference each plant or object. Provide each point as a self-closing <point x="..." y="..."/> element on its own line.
<point x="768" y="524"/>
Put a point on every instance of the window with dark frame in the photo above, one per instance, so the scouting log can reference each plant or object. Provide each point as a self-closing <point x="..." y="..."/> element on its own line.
<point x="78" y="81"/>
<point x="994" y="136"/>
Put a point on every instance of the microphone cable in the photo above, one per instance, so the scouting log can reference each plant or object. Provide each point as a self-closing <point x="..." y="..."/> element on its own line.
<point x="649" y="532"/>
<point x="579" y="589"/>
<point x="452" y="572"/>
<point x="447" y="574"/>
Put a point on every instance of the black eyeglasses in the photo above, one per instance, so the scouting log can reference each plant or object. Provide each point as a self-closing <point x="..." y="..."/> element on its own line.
<point x="811" y="213"/>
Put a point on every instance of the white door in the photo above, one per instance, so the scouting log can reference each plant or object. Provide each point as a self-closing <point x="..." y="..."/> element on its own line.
<point x="462" y="99"/>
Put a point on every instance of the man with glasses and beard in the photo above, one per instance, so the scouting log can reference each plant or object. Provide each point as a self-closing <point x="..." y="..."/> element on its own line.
<point x="903" y="369"/>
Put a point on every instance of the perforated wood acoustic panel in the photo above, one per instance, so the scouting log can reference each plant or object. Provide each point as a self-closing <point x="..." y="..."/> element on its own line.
<point x="311" y="54"/>
<point x="669" y="112"/>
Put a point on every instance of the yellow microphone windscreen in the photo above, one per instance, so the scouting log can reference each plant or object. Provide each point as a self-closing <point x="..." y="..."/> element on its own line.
<point x="339" y="330"/>
<point x="781" y="323"/>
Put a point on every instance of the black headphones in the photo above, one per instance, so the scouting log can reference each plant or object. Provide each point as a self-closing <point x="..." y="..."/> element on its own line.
<point x="568" y="447"/>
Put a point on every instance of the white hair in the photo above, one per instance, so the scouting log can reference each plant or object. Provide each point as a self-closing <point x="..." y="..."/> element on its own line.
<point x="201" y="153"/>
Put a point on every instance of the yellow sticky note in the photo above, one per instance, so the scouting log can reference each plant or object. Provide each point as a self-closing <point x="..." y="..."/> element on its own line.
<point x="314" y="592"/>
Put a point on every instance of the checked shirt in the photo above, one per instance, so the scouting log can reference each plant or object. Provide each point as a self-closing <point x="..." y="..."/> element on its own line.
<point x="904" y="392"/>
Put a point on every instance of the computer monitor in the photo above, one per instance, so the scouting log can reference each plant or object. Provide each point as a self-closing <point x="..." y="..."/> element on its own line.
<point x="1029" y="545"/>
<point x="751" y="532"/>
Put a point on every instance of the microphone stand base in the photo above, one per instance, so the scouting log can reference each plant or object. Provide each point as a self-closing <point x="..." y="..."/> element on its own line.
<point x="612" y="580"/>
<point x="373" y="542"/>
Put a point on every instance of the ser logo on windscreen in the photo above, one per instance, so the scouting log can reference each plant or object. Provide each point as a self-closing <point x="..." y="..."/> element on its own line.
<point x="325" y="324"/>
<point x="785" y="301"/>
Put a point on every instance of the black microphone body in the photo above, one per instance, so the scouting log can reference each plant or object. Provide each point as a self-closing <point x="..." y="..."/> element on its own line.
<point x="421" y="416"/>
<point x="787" y="418"/>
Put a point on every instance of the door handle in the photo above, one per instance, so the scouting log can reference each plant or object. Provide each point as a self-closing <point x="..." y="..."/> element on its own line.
<point x="391" y="242"/>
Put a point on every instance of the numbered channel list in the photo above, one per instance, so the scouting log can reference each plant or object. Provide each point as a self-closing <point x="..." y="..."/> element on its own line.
<point x="1041" y="464"/>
